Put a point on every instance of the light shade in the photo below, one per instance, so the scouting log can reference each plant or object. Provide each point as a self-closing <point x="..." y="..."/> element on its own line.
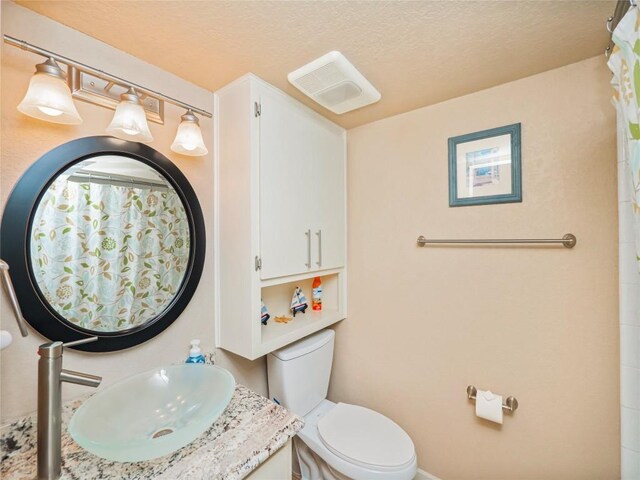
<point x="48" y="96"/>
<point x="188" y="139"/>
<point x="130" y="122"/>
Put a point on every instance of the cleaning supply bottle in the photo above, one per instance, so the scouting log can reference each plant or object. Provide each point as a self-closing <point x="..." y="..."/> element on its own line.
<point x="195" y="355"/>
<point x="316" y="300"/>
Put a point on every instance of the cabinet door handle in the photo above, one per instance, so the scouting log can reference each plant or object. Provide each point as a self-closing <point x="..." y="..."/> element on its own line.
<point x="319" y="234"/>
<point x="308" y="234"/>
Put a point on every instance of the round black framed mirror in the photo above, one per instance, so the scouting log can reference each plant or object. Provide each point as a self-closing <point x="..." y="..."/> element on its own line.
<point x="104" y="237"/>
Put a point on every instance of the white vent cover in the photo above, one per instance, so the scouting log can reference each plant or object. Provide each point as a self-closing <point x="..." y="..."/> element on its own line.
<point x="334" y="83"/>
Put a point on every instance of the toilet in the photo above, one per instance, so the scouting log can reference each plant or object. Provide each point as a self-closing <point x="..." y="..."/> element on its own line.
<point x="339" y="441"/>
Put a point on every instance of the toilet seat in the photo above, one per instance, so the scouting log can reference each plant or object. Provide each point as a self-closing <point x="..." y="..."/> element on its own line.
<point x="310" y="437"/>
<point x="365" y="437"/>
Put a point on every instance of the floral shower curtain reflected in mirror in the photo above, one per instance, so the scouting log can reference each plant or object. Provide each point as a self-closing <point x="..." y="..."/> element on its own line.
<point x="109" y="258"/>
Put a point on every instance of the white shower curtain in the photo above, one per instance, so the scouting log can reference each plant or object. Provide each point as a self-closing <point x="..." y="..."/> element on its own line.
<point x="625" y="65"/>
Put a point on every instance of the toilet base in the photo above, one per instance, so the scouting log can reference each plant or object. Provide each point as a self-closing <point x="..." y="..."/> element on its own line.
<point x="312" y="467"/>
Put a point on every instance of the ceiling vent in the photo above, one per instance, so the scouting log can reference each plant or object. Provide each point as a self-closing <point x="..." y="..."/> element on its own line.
<point x="334" y="83"/>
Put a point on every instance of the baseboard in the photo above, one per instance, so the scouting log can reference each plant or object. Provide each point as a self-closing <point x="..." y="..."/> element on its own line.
<point x="422" y="475"/>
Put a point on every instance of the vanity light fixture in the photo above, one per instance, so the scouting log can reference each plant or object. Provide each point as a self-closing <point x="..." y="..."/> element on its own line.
<point x="130" y="122"/>
<point x="48" y="96"/>
<point x="188" y="139"/>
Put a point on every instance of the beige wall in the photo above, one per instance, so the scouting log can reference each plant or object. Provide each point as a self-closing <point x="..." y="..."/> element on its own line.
<point x="540" y="324"/>
<point x="24" y="140"/>
<point x="537" y="323"/>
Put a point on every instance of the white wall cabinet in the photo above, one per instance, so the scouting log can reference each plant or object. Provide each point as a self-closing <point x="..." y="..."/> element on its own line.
<point x="280" y="216"/>
<point x="302" y="189"/>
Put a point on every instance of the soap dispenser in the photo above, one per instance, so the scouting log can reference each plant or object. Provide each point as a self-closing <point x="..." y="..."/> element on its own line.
<point x="195" y="355"/>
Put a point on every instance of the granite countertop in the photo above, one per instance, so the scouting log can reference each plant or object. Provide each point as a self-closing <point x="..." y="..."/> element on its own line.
<point x="247" y="433"/>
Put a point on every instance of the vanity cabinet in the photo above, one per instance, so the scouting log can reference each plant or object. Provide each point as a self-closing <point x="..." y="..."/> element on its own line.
<point x="279" y="465"/>
<point x="281" y="214"/>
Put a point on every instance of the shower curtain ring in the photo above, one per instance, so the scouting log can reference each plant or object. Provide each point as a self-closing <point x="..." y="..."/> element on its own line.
<point x="609" y="23"/>
<point x="607" y="51"/>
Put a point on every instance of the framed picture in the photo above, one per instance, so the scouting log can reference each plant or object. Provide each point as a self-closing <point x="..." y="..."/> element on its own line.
<point x="485" y="167"/>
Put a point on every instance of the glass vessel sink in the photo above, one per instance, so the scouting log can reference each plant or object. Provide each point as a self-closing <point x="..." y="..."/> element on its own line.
<point x="153" y="413"/>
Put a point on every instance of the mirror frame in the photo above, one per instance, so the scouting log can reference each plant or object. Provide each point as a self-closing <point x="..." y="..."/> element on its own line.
<point x="15" y="231"/>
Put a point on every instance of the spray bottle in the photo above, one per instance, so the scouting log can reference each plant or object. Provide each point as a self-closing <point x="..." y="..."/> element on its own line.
<point x="316" y="300"/>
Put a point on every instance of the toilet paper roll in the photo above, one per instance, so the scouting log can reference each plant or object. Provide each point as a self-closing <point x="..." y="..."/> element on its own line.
<point x="489" y="406"/>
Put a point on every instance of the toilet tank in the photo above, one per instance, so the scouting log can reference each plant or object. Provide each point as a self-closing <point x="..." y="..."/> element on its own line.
<point x="299" y="373"/>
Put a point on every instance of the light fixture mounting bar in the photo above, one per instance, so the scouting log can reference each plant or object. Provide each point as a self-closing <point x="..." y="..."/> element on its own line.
<point x="15" y="42"/>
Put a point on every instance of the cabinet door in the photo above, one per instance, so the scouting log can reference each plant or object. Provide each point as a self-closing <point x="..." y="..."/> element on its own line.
<point x="286" y="133"/>
<point x="329" y="223"/>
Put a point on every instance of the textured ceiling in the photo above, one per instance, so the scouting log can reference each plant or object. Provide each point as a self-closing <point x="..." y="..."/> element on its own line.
<point x="416" y="53"/>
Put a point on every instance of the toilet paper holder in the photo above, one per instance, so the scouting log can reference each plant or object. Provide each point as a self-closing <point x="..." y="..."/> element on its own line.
<point x="510" y="404"/>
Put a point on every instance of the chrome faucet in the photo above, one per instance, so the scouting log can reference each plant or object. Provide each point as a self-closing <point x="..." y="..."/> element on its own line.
<point x="50" y="378"/>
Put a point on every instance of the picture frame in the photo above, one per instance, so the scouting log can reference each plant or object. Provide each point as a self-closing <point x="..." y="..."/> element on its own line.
<point x="485" y="167"/>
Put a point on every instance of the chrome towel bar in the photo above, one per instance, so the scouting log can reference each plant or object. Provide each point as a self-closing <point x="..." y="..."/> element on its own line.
<point x="569" y="240"/>
<point x="510" y="404"/>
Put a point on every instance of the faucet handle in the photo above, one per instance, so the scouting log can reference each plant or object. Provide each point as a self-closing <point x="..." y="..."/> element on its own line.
<point x="82" y="341"/>
<point x="54" y="349"/>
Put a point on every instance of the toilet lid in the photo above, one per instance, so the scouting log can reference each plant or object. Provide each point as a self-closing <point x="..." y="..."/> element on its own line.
<point x="363" y="436"/>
